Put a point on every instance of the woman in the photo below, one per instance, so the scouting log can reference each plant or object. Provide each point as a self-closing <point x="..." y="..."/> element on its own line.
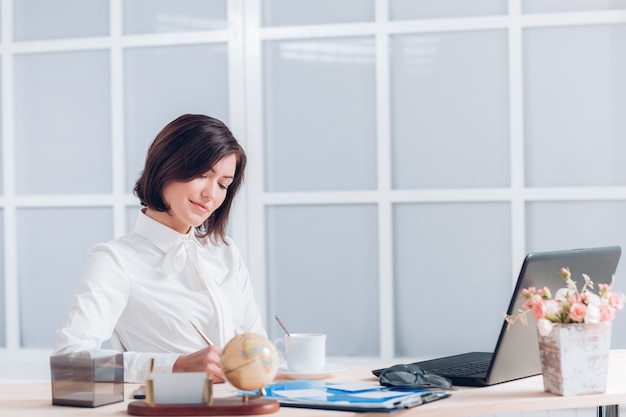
<point x="142" y="291"/>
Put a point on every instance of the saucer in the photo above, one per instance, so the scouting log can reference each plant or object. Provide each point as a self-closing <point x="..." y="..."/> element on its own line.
<point x="329" y="368"/>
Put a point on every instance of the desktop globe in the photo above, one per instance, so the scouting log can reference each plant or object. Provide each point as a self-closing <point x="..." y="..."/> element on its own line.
<point x="249" y="361"/>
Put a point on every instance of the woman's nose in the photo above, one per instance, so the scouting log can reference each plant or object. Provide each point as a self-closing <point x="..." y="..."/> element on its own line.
<point x="210" y="189"/>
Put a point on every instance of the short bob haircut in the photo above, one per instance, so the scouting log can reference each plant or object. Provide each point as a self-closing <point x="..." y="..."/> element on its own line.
<point x="187" y="148"/>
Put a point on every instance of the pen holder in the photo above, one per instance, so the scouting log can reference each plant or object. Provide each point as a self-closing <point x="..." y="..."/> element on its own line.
<point x="87" y="379"/>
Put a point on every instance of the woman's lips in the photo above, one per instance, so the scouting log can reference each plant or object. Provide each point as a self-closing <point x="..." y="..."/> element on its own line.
<point x="200" y="205"/>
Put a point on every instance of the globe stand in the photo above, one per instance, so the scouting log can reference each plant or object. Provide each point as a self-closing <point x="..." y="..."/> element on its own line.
<point x="228" y="406"/>
<point x="247" y="397"/>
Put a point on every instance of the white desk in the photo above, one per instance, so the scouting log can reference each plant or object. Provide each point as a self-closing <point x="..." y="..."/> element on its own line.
<point x="517" y="396"/>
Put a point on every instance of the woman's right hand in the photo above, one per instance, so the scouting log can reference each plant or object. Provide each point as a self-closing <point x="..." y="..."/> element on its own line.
<point x="206" y="360"/>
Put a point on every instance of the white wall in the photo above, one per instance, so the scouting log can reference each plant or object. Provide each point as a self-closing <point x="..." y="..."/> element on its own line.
<point x="394" y="146"/>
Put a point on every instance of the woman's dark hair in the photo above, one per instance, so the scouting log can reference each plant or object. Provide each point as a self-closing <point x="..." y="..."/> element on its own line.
<point x="186" y="148"/>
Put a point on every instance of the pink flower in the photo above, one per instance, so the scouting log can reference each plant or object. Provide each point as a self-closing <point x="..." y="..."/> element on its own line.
<point x="545" y="293"/>
<point x="538" y="307"/>
<point x="607" y="314"/>
<point x="616" y="300"/>
<point x="577" y="312"/>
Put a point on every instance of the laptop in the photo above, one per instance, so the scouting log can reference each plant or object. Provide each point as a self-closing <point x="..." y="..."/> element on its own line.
<point x="516" y="354"/>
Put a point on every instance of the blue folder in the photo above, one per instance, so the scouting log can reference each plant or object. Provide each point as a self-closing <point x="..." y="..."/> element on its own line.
<point x="348" y="396"/>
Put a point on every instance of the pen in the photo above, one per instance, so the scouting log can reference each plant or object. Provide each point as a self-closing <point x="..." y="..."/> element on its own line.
<point x="150" y="367"/>
<point x="202" y="335"/>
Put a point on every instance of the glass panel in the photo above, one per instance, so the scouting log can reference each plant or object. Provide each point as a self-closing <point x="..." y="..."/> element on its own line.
<point x="450" y="111"/>
<point x="311" y="12"/>
<point x="63" y="145"/>
<point x="1" y="143"/>
<point x="131" y="217"/>
<point x="3" y="332"/>
<point x="51" y="254"/>
<point x="323" y="274"/>
<point x="46" y="19"/>
<point x="581" y="224"/>
<point x="425" y="9"/>
<point x="159" y="16"/>
<point x="574" y="105"/>
<point x="547" y="6"/>
<point x="313" y="128"/>
<point x="442" y="262"/>
<point x="198" y="86"/>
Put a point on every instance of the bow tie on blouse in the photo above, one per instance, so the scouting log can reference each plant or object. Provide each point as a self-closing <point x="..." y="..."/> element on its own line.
<point x="188" y="249"/>
<point x="176" y="258"/>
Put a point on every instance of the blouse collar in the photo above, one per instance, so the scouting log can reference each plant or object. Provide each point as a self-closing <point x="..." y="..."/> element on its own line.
<point x="163" y="237"/>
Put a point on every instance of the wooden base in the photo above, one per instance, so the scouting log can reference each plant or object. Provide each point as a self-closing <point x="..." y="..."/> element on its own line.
<point x="230" y="406"/>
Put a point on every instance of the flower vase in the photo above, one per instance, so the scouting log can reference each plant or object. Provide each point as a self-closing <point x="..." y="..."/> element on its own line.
<point x="575" y="358"/>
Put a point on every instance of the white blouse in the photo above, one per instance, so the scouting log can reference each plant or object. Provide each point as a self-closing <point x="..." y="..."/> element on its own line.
<point x="142" y="290"/>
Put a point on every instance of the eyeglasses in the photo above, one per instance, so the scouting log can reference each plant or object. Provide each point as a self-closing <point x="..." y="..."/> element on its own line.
<point x="405" y="376"/>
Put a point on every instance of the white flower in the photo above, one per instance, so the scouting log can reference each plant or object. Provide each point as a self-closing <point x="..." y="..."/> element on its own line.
<point x="552" y="308"/>
<point x="593" y="299"/>
<point x="593" y="313"/>
<point x="561" y="294"/>
<point x="544" y="327"/>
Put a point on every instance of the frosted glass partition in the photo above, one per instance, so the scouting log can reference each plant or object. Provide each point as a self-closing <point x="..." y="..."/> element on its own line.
<point x="579" y="224"/>
<point x="310" y="12"/>
<point x="131" y="217"/>
<point x="63" y="148"/>
<point x="548" y="6"/>
<point x="411" y="9"/>
<point x="320" y="114"/>
<point x="149" y="16"/>
<point x="2" y="294"/>
<point x="47" y="19"/>
<point x="322" y="268"/>
<point x="52" y="248"/>
<point x="1" y="149"/>
<point x="449" y="110"/>
<point x="453" y="278"/>
<point x="189" y="78"/>
<point x="574" y="106"/>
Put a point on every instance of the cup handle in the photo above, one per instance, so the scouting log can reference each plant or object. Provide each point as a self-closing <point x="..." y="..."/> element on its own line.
<point x="281" y="348"/>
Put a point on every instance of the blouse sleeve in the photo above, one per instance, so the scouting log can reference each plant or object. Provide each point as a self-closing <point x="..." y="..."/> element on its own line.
<point x="98" y="304"/>
<point x="101" y="298"/>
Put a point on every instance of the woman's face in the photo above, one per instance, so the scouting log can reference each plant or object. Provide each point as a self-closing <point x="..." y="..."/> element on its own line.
<point x="192" y="202"/>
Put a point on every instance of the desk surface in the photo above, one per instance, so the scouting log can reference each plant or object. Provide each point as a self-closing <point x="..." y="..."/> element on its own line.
<point x="517" y="396"/>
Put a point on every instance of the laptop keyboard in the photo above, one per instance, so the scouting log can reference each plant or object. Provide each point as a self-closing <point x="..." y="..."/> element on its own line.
<point x="464" y="369"/>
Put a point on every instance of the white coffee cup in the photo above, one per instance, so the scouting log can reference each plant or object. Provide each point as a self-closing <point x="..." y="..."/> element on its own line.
<point x="304" y="352"/>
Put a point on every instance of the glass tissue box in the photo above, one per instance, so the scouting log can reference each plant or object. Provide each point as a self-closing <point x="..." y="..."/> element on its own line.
<point x="87" y="379"/>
